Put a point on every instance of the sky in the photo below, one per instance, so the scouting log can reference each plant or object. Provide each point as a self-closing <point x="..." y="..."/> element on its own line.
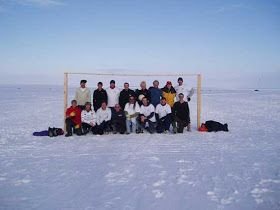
<point x="233" y="44"/>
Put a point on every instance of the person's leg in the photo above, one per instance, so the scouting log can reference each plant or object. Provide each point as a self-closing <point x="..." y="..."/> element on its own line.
<point x="160" y="126"/>
<point x="167" y="122"/>
<point x="122" y="127"/>
<point x="69" y="126"/>
<point x="151" y="127"/>
<point x="85" y="128"/>
<point x="128" y="126"/>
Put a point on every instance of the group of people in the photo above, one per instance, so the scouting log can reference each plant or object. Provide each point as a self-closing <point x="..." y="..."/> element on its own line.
<point x="127" y="111"/>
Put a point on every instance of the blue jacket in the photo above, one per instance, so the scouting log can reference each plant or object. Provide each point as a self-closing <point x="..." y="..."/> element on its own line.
<point x="156" y="94"/>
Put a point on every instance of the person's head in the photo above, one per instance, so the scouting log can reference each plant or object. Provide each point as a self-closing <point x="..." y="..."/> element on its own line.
<point x="181" y="97"/>
<point x="99" y="85"/>
<point x="104" y="105"/>
<point x="145" y="101"/>
<point x="112" y="84"/>
<point x="126" y="86"/>
<point x="156" y="83"/>
<point x="83" y="83"/>
<point x="168" y="84"/>
<point x="88" y="106"/>
<point x="180" y="81"/>
<point x="163" y="101"/>
<point x="143" y="85"/>
<point x="73" y="103"/>
<point x="117" y="107"/>
<point x="132" y="100"/>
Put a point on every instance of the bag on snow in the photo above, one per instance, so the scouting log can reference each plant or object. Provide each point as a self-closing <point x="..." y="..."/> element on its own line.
<point x="51" y="132"/>
<point x="211" y="125"/>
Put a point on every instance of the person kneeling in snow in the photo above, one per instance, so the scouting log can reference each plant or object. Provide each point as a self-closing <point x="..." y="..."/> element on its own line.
<point x="163" y="116"/>
<point x="103" y="116"/>
<point x="73" y="119"/>
<point x="88" y="119"/>
<point x="147" y="118"/>
<point x="181" y="114"/>
<point x="118" y="120"/>
<point x="211" y="125"/>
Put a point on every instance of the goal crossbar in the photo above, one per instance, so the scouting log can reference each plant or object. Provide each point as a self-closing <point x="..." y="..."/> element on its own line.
<point x="198" y="88"/>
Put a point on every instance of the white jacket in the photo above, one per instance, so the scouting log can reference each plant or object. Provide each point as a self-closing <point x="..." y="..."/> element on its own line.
<point x="187" y="91"/>
<point x="162" y="111"/>
<point x="88" y="117"/>
<point x="103" y="115"/>
<point x="131" y="111"/>
<point x="82" y="96"/>
<point x="113" y="96"/>
<point x="147" y="110"/>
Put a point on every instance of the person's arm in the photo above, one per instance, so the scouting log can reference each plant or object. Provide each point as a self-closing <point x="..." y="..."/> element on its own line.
<point x="106" y="97"/>
<point x="151" y="115"/>
<point x="88" y="95"/>
<point x="109" y="117"/>
<point x="157" y="117"/>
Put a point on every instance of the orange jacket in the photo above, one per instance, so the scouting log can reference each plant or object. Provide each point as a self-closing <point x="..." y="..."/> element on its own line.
<point x="170" y="95"/>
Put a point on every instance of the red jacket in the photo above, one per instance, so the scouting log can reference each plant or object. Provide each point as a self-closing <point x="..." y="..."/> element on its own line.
<point x="74" y="114"/>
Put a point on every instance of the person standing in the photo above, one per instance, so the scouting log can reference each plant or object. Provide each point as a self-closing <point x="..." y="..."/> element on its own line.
<point x="73" y="119"/>
<point x="88" y="119"/>
<point x="132" y="110"/>
<point x="142" y="92"/>
<point x="125" y="94"/>
<point x="156" y="93"/>
<point x="181" y="114"/>
<point x="163" y="116"/>
<point x="118" y="120"/>
<point x="169" y="93"/>
<point x="103" y="119"/>
<point x="99" y="96"/>
<point x="113" y="94"/>
<point x="82" y="94"/>
<point x="181" y="88"/>
<point x="146" y="117"/>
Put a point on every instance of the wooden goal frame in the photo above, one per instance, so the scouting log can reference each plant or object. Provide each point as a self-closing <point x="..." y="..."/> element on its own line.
<point x="198" y="87"/>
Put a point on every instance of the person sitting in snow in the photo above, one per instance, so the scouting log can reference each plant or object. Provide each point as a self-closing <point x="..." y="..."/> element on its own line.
<point x="132" y="110"/>
<point x="181" y="114"/>
<point x="163" y="116"/>
<point x="103" y="119"/>
<point x="118" y="120"/>
<point x="88" y="120"/>
<point x="147" y="118"/>
<point x="82" y="94"/>
<point x="73" y="119"/>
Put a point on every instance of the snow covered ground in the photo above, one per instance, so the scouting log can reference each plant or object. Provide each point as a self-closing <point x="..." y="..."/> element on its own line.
<point x="235" y="170"/>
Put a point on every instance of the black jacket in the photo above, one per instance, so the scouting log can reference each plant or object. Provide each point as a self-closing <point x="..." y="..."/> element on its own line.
<point x="144" y="92"/>
<point x="98" y="98"/>
<point x="118" y="117"/>
<point x="181" y="111"/>
<point x="124" y="97"/>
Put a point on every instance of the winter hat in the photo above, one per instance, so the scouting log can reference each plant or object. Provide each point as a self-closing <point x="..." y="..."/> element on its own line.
<point x="180" y="79"/>
<point x="168" y="83"/>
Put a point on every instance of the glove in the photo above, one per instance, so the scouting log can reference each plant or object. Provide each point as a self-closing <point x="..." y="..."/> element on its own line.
<point x="128" y="117"/>
<point x="72" y="114"/>
<point x="188" y="98"/>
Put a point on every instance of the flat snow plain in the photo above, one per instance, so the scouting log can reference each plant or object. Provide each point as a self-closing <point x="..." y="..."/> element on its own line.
<point x="235" y="170"/>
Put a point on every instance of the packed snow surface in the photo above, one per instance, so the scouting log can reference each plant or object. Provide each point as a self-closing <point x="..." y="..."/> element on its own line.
<point x="235" y="170"/>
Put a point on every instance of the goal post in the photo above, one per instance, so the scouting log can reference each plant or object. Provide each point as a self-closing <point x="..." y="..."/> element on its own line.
<point x="197" y="76"/>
